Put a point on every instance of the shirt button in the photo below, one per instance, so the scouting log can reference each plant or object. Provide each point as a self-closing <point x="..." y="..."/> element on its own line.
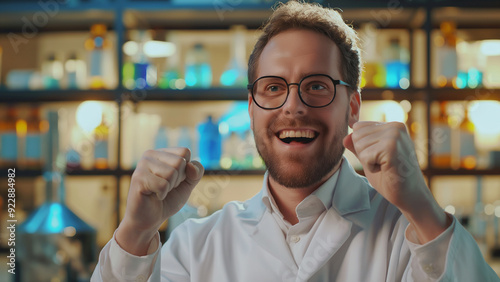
<point x="428" y="268"/>
<point x="140" y="278"/>
<point x="294" y="239"/>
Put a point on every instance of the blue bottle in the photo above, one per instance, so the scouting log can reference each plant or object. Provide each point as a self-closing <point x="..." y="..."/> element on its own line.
<point x="235" y="74"/>
<point x="141" y="63"/>
<point x="209" y="144"/>
<point x="397" y="65"/>
<point x="198" y="73"/>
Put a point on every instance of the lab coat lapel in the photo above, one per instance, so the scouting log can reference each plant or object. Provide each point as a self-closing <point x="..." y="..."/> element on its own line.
<point x="330" y="236"/>
<point x="352" y="191"/>
<point x="265" y="232"/>
<point x="350" y="199"/>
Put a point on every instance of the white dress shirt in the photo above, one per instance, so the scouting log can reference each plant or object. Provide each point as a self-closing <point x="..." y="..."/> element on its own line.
<point x="310" y="213"/>
<point x="346" y="232"/>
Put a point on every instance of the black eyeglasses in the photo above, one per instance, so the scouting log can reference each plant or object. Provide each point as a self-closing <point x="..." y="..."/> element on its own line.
<point x="315" y="91"/>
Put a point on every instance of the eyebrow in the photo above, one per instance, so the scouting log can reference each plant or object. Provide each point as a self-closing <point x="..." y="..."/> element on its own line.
<point x="302" y="75"/>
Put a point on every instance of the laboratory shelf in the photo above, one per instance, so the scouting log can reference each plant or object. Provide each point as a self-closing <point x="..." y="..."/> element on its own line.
<point x="56" y="95"/>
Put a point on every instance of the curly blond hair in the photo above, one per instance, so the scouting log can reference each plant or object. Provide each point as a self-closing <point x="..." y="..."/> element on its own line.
<point x="327" y="21"/>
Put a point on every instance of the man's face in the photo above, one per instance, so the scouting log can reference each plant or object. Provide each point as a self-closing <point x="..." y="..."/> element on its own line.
<point x="292" y="55"/>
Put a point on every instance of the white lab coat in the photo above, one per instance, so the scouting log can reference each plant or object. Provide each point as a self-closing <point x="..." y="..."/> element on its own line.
<point x="361" y="238"/>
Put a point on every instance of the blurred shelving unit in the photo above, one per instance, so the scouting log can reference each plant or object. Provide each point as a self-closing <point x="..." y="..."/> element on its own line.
<point x="124" y="15"/>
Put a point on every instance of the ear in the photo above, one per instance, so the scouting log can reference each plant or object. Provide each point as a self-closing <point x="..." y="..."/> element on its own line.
<point x="354" y="107"/>
<point x="250" y="110"/>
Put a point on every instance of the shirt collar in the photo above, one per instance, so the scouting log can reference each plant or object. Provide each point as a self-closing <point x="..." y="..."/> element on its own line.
<point x="324" y="193"/>
<point x="267" y="197"/>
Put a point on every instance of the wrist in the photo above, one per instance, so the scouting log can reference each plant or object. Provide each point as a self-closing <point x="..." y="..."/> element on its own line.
<point x="428" y="222"/>
<point x="134" y="240"/>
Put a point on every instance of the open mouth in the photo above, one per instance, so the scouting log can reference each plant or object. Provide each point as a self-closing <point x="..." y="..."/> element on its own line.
<point x="297" y="136"/>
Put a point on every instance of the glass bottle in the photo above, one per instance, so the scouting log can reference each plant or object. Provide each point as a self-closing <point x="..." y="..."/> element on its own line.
<point x="397" y="65"/>
<point x="52" y="72"/>
<point x="101" y="139"/>
<point x="441" y="138"/>
<point x="235" y="74"/>
<point x="141" y="63"/>
<point x="471" y="63"/>
<point x="198" y="73"/>
<point x="209" y="143"/>
<point x="76" y="72"/>
<point x="373" y="75"/>
<point x="171" y="78"/>
<point x="96" y="44"/>
<point x="464" y="63"/>
<point x="447" y="55"/>
<point x="9" y="139"/>
<point x="128" y="74"/>
<point x="468" y="152"/>
<point x="491" y="63"/>
<point x="36" y="128"/>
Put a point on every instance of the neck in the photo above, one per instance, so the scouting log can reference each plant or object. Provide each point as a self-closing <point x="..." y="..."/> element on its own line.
<point x="287" y="199"/>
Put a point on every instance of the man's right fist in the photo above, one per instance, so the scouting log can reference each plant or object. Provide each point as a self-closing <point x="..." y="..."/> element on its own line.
<point x="160" y="186"/>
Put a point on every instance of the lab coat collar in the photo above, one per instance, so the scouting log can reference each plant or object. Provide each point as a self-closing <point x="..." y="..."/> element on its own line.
<point x="350" y="198"/>
<point x="351" y="195"/>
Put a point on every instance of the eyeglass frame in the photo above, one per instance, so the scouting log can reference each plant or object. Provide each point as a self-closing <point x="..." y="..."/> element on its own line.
<point x="335" y="83"/>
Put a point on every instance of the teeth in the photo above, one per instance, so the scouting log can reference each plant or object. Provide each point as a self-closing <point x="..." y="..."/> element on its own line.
<point x="296" y="134"/>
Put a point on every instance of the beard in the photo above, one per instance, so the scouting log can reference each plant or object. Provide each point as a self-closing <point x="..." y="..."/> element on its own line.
<point x="313" y="168"/>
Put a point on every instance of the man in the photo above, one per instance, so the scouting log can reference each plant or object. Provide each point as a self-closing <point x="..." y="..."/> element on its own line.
<point x="315" y="219"/>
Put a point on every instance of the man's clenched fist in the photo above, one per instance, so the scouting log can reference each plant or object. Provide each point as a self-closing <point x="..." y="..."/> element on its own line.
<point x="160" y="186"/>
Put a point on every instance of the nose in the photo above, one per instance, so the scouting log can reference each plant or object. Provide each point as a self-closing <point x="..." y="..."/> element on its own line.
<point x="293" y="105"/>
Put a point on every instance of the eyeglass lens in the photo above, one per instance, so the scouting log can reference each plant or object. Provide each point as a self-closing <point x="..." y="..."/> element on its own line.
<point x="315" y="91"/>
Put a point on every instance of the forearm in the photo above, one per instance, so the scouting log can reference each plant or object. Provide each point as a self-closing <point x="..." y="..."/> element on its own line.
<point x="134" y="241"/>
<point x="428" y="220"/>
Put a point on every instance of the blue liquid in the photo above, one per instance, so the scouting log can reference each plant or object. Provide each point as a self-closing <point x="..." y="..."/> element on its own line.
<point x="96" y="59"/>
<point x="199" y="75"/>
<point x="234" y="77"/>
<point x="461" y="80"/>
<point x="396" y="70"/>
<point x="50" y="83"/>
<point x="33" y="146"/>
<point x="140" y="75"/>
<point x="169" y="79"/>
<point x="9" y="146"/>
<point x="229" y="77"/>
<point x="101" y="149"/>
<point x="474" y="78"/>
<point x="72" y="83"/>
<point x="209" y="144"/>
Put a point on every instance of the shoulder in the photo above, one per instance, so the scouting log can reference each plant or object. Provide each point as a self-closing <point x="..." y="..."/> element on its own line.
<point x="230" y="219"/>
